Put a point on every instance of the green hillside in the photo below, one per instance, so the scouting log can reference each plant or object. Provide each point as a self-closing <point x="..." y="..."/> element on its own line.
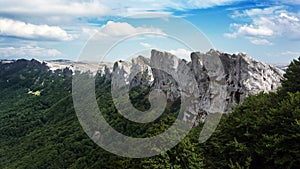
<point x="39" y="127"/>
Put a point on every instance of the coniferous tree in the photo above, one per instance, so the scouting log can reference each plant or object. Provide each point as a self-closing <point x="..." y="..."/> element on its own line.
<point x="291" y="81"/>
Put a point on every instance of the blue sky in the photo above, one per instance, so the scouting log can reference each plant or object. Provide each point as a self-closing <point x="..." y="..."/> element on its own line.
<point x="59" y="29"/>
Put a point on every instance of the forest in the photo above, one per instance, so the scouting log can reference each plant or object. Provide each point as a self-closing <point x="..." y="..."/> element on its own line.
<point x="39" y="127"/>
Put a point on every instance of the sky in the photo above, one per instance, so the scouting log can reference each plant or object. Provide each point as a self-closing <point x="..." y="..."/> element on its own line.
<point x="268" y="31"/>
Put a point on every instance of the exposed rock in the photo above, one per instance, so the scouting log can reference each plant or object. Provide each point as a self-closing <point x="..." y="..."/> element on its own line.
<point x="218" y="80"/>
<point x="223" y="80"/>
<point x="103" y="68"/>
<point x="227" y="79"/>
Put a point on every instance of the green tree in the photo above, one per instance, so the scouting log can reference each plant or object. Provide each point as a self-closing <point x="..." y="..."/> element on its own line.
<point x="185" y="155"/>
<point x="260" y="133"/>
<point x="291" y="81"/>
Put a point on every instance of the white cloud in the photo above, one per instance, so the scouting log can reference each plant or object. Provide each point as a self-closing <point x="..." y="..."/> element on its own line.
<point x="258" y="11"/>
<point x="55" y="7"/>
<point x="52" y="9"/>
<point x="289" y="17"/>
<point x="89" y="31"/>
<point x="266" y="24"/>
<point x="251" y="30"/>
<point x="29" y="51"/>
<point x="20" y="29"/>
<point x="132" y="7"/>
<point x="117" y="29"/>
<point x="263" y="11"/>
<point x="146" y="45"/>
<point x="258" y="41"/>
<point x="290" y="53"/>
<point x="206" y="4"/>
<point x="183" y="53"/>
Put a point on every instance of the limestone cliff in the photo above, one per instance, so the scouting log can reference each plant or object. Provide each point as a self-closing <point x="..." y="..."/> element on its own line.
<point x="223" y="80"/>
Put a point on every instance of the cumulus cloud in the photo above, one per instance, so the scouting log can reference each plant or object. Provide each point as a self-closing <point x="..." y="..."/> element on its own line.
<point x="121" y="29"/>
<point x="250" y="30"/>
<point x="55" y="7"/>
<point x="146" y="45"/>
<point x="183" y="53"/>
<point x="29" y="51"/>
<point x="117" y="29"/>
<point x="258" y="41"/>
<point x="266" y="24"/>
<point x="89" y="31"/>
<point x="9" y="27"/>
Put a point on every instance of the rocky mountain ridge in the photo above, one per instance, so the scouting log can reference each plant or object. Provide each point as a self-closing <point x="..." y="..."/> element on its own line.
<point x="222" y="80"/>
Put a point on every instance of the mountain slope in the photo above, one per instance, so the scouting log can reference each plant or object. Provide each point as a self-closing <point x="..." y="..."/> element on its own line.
<point x="42" y="131"/>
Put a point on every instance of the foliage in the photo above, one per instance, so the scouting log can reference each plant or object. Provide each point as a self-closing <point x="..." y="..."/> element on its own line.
<point x="258" y="134"/>
<point x="42" y="131"/>
<point x="291" y="80"/>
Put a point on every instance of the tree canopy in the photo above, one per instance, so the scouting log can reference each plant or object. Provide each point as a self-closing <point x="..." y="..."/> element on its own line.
<point x="42" y="131"/>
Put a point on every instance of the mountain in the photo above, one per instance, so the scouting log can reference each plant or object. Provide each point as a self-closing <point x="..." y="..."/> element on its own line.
<point x="39" y="127"/>
<point x="76" y="66"/>
<point x="222" y="80"/>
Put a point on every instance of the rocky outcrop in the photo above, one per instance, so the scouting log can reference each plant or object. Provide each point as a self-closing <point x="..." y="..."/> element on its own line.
<point x="222" y="80"/>
<point x="216" y="79"/>
<point x="227" y="79"/>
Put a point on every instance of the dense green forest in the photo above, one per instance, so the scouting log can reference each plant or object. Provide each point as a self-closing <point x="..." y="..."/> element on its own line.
<point x="39" y="127"/>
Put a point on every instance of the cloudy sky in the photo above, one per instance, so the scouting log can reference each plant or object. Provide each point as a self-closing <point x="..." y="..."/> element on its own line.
<point x="59" y="29"/>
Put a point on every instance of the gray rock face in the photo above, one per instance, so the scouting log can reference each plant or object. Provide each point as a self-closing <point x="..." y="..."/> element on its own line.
<point x="223" y="80"/>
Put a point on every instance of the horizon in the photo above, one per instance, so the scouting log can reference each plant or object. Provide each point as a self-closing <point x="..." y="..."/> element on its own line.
<point x="149" y="56"/>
